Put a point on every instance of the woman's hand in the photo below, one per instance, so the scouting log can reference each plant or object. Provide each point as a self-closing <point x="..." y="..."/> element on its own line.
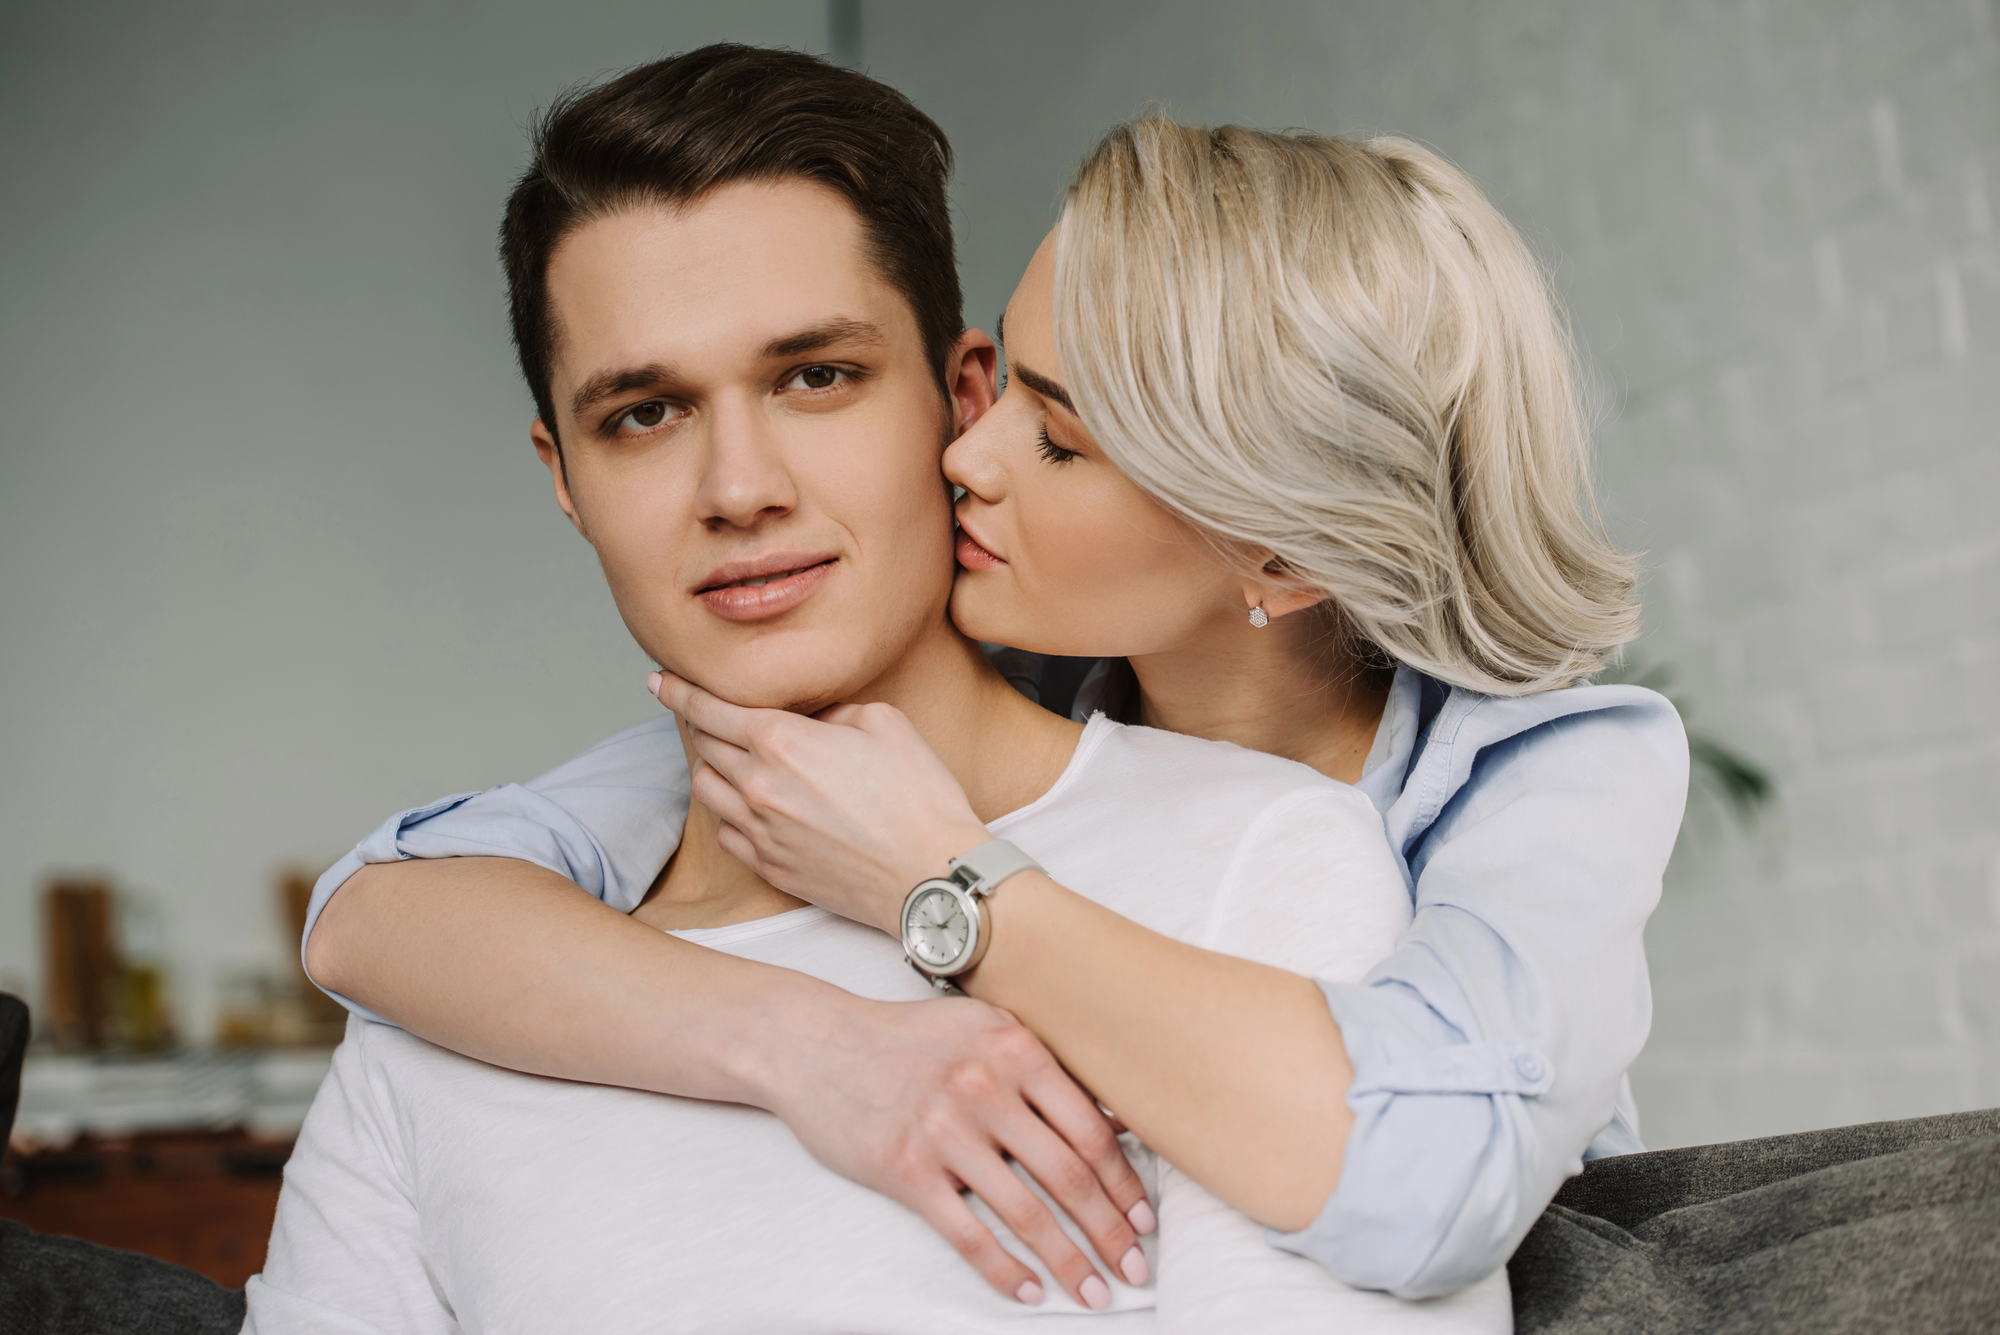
<point x="923" y="1101"/>
<point x="848" y="809"/>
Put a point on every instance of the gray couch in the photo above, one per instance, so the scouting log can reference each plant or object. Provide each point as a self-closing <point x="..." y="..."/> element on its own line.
<point x="63" y="1286"/>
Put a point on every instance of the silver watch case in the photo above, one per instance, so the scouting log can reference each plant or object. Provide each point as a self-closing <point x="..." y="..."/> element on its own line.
<point x="967" y="903"/>
<point x="973" y="877"/>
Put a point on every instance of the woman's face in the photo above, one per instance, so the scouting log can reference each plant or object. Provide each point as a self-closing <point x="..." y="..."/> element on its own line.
<point x="1058" y="551"/>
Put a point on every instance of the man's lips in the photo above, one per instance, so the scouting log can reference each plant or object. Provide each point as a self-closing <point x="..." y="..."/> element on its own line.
<point x="764" y="586"/>
<point x="973" y="555"/>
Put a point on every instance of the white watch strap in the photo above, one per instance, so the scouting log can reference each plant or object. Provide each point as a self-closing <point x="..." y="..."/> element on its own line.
<point x="982" y="870"/>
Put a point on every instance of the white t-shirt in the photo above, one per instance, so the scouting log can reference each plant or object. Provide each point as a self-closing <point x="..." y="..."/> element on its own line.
<point x="433" y="1193"/>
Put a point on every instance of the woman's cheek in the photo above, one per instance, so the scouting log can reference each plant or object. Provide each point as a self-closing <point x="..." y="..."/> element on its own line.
<point x="1089" y="574"/>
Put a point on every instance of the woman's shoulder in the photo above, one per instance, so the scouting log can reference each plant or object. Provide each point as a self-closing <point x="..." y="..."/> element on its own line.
<point x="645" y="755"/>
<point x="1611" y="747"/>
<point x="1586" y="723"/>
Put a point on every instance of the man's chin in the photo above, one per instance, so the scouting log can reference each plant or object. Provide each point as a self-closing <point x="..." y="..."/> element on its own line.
<point x="812" y="704"/>
<point x="797" y="694"/>
<point x="801" y="669"/>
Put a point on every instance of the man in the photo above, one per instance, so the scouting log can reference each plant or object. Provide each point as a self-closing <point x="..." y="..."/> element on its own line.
<point x="911" y="1101"/>
<point x="741" y="411"/>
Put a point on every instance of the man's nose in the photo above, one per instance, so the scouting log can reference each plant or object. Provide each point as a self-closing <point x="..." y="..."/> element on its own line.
<point x="745" y="480"/>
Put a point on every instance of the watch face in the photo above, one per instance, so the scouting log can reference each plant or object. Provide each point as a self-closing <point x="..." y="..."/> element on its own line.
<point x="935" y="928"/>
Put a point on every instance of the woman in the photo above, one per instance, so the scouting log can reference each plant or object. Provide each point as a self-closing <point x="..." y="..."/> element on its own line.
<point x="1319" y="391"/>
<point x="1337" y="405"/>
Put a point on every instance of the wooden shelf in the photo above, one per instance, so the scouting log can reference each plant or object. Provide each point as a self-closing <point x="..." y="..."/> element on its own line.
<point x="204" y="1200"/>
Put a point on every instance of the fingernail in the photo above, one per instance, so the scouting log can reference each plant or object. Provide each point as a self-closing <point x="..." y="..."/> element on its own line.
<point x="653" y="685"/>
<point x="1029" y="1293"/>
<point x="1096" y="1293"/>
<point x="1142" y="1219"/>
<point x="1133" y="1267"/>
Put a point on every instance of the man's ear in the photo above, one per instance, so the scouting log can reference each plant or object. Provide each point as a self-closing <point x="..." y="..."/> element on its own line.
<point x="552" y="459"/>
<point x="972" y="378"/>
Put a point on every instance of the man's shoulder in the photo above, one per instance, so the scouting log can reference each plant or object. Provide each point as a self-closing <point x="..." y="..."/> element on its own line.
<point x="420" y="1083"/>
<point x="1173" y="768"/>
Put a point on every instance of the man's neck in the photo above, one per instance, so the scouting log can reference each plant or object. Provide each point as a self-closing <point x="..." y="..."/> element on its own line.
<point x="1004" y="749"/>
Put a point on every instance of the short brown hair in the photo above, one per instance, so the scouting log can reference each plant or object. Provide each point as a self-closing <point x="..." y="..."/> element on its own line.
<point x="672" y="131"/>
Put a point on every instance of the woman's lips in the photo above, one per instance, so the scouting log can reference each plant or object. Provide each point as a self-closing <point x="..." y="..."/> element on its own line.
<point x="783" y="592"/>
<point x="974" y="557"/>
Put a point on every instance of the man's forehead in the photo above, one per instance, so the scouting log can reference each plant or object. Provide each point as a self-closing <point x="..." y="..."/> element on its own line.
<point x="731" y="277"/>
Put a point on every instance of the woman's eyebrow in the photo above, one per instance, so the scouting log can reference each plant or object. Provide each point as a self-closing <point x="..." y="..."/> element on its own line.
<point x="1042" y="385"/>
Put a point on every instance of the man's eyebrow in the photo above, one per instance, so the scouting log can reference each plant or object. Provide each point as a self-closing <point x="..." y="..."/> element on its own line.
<point x="826" y="334"/>
<point x="610" y="384"/>
<point x="1041" y="384"/>
<point x="1000" y="329"/>
<point x="656" y="375"/>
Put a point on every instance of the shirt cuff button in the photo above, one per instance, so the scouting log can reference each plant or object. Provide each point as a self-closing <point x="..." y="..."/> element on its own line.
<point x="1529" y="1067"/>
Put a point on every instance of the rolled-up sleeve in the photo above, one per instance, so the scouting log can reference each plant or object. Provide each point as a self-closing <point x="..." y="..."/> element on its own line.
<point x="607" y="820"/>
<point x="1490" y="1049"/>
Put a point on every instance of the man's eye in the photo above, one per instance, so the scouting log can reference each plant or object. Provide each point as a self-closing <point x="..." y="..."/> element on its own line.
<point x="817" y="377"/>
<point x="646" y="416"/>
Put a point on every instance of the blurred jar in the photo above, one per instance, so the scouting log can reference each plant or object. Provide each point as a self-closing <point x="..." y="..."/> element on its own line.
<point x="243" y="1008"/>
<point x="142" y="1008"/>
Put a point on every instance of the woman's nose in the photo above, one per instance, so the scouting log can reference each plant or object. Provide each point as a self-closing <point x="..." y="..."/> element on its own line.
<point x="973" y="464"/>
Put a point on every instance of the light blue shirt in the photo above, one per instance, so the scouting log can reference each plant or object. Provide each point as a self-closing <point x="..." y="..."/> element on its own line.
<point x="1489" y="1049"/>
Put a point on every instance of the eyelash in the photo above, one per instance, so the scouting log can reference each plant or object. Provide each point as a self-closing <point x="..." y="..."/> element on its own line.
<point x="848" y="377"/>
<point x="1051" y="451"/>
<point x="618" y="422"/>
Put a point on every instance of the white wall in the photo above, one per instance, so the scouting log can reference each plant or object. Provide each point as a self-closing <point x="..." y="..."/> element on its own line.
<point x="1774" y="220"/>
<point x="274" y="556"/>
<point x="275" y="553"/>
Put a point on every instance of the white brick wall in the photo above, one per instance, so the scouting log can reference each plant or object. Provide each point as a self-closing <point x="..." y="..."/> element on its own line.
<point x="1775" y="225"/>
<point x="1781" y="255"/>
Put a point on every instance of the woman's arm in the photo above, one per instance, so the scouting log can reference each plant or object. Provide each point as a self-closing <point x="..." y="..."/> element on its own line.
<point x="1232" y="1070"/>
<point x="441" y="947"/>
<point x="1491" y="1048"/>
<point x="514" y="965"/>
<point x="1450" y="1129"/>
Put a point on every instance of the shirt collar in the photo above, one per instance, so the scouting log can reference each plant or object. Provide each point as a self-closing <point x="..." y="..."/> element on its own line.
<point x="1388" y="762"/>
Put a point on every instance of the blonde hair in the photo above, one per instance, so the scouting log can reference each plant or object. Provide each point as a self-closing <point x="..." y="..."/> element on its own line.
<point x="1342" y="354"/>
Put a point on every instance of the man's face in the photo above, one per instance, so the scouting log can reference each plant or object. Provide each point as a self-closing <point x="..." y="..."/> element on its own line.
<point x="750" y="439"/>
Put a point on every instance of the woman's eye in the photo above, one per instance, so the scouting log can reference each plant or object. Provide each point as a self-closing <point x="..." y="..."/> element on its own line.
<point x="818" y="377"/>
<point x="646" y="416"/>
<point x="1051" y="451"/>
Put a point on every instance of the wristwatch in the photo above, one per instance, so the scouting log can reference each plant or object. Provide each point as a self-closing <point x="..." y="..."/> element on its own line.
<point x="945" y="932"/>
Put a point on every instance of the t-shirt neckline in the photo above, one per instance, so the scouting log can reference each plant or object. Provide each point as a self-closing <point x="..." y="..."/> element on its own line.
<point x="1094" y="732"/>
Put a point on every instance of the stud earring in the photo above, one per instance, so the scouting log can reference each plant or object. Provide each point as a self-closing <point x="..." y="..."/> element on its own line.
<point x="1259" y="617"/>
